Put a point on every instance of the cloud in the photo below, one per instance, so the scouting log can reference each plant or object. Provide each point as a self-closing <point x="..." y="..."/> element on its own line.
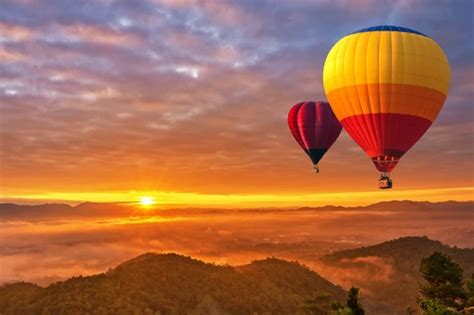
<point x="196" y="93"/>
<point x="224" y="12"/>
<point x="363" y="272"/>
<point x="13" y="32"/>
<point x="11" y="56"/>
<point x="94" y="34"/>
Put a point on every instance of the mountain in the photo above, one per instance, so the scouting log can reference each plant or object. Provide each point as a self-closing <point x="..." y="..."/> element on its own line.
<point x="389" y="272"/>
<point x="174" y="284"/>
<point x="63" y="211"/>
<point x="92" y="209"/>
<point x="14" y="211"/>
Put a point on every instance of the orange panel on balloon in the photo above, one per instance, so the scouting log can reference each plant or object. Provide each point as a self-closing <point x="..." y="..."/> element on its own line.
<point x="386" y="98"/>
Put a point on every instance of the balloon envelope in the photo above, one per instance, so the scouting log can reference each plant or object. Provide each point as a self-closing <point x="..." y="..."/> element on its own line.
<point x="386" y="85"/>
<point x="314" y="127"/>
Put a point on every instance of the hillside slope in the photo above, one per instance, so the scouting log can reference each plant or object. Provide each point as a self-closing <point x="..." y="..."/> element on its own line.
<point x="389" y="272"/>
<point x="173" y="284"/>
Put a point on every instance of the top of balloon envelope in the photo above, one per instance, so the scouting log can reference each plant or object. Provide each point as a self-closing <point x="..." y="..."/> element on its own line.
<point x="391" y="28"/>
<point x="386" y="54"/>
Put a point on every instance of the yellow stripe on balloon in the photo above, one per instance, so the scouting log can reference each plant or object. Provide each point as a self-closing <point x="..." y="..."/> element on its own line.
<point x="386" y="57"/>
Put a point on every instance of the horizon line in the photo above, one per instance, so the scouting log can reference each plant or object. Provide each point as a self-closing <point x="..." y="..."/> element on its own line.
<point x="199" y="200"/>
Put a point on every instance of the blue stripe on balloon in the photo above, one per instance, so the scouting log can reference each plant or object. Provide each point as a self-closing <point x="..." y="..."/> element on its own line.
<point x="392" y="28"/>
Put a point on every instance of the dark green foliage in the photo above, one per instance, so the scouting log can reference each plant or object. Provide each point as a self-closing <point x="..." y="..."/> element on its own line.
<point x="444" y="291"/>
<point x="173" y="284"/>
<point x="404" y="255"/>
<point x="320" y="305"/>
<point x="470" y="290"/>
<point x="433" y="307"/>
<point x="326" y="305"/>
<point x="411" y="311"/>
<point x="353" y="302"/>
<point x="18" y="296"/>
<point x="444" y="280"/>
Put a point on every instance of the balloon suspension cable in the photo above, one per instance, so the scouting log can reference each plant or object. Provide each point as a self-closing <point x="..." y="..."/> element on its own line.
<point x="316" y="168"/>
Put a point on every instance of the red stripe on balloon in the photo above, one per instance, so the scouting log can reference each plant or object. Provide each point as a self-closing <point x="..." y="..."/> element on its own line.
<point x="385" y="137"/>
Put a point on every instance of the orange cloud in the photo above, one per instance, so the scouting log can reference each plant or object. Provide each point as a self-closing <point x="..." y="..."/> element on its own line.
<point x="197" y="106"/>
<point x="97" y="34"/>
<point x="11" y="56"/>
<point x="221" y="11"/>
<point x="16" y="32"/>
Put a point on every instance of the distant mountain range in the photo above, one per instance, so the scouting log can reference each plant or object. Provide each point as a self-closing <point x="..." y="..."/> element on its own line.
<point x="89" y="209"/>
<point x="174" y="284"/>
<point x="62" y="210"/>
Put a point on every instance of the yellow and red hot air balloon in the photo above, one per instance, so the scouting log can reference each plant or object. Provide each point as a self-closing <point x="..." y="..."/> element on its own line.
<point x="386" y="85"/>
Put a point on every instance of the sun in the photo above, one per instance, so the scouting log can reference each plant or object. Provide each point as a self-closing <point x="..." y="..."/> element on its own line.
<point x="147" y="201"/>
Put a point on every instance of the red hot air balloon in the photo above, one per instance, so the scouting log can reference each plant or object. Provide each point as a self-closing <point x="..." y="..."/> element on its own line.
<point x="314" y="127"/>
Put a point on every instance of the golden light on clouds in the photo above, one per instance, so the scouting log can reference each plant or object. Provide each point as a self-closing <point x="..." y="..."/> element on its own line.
<point x="186" y="199"/>
<point x="197" y="115"/>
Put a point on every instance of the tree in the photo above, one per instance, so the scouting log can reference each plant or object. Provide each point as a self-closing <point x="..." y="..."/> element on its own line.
<point x="353" y="306"/>
<point x="444" y="281"/>
<point x="470" y="292"/>
<point x="433" y="307"/>
<point x="353" y="301"/>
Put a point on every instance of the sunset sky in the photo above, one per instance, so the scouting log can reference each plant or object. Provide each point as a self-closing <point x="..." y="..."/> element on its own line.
<point x="186" y="101"/>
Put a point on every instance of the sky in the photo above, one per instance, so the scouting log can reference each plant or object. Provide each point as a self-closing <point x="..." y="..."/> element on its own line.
<point x="186" y="101"/>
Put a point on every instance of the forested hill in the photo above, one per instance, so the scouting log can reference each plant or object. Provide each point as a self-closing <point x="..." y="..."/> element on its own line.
<point x="407" y="252"/>
<point x="174" y="284"/>
<point x="399" y="261"/>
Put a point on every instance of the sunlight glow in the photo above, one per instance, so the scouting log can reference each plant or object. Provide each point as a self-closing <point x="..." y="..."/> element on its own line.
<point x="146" y="201"/>
<point x="185" y="199"/>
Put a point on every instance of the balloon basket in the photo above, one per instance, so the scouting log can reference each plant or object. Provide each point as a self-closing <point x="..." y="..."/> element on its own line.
<point x="385" y="182"/>
<point x="316" y="169"/>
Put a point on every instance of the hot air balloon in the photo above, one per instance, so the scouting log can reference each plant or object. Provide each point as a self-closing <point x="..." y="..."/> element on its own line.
<point x="386" y="85"/>
<point x="314" y="127"/>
